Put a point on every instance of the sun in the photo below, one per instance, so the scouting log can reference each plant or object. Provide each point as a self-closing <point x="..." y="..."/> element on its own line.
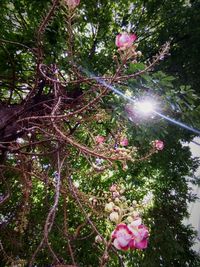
<point x="145" y="107"/>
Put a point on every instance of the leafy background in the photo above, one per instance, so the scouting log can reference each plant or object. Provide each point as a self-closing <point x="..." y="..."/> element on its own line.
<point x="174" y="82"/>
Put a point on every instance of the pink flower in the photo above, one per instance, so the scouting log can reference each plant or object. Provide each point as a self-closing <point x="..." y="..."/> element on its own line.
<point x="124" y="142"/>
<point x="99" y="139"/>
<point x="125" y="40"/>
<point x="113" y="188"/>
<point x="115" y="194"/>
<point x="72" y="3"/>
<point x="158" y="144"/>
<point x="140" y="236"/>
<point x="136" y="222"/>
<point x="131" y="236"/>
<point x="122" y="236"/>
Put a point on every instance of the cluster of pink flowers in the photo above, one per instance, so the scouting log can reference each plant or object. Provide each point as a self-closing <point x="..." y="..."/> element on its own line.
<point x="116" y="191"/>
<point x="100" y="139"/>
<point x="124" y="141"/>
<point x="72" y="4"/>
<point x="131" y="236"/>
<point x="125" y="40"/>
<point x="158" y="144"/>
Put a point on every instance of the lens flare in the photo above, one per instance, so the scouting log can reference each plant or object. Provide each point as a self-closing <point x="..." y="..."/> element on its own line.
<point x="145" y="107"/>
<point x="148" y="107"/>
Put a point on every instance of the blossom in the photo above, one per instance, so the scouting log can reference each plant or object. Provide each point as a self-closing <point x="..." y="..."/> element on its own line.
<point x="115" y="194"/>
<point x="131" y="236"/>
<point x="125" y="40"/>
<point x="158" y="144"/>
<point x="124" y="142"/>
<point x="72" y="3"/>
<point x="122" y="236"/>
<point x="99" y="139"/>
<point x="136" y="222"/>
<point x="113" y="188"/>
<point x="140" y="236"/>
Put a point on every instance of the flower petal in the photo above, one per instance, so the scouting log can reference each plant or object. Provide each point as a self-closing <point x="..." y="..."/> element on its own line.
<point x="136" y="222"/>
<point x="121" y="226"/>
<point x="119" y="246"/>
<point x="142" y="244"/>
<point x="125" y="40"/>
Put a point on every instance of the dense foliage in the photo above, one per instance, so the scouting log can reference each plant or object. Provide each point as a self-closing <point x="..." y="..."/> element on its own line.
<point x="77" y="158"/>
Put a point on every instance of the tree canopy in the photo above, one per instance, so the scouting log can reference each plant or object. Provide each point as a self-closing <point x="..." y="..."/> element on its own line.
<point x="88" y="178"/>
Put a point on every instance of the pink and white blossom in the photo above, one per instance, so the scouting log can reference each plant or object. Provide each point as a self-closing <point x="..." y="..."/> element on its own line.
<point x="99" y="139"/>
<point x="72" y="4"/>
<point x="136" y="222"/>
<point x="116" y="194"/>
<point x="140" y="237"/>
<point x="113" y="188"/>
<point x="125" y="40"/>
<point x="158" y="144"/>
<point x="122" y="236"/>
<point x="124" y="142"/>
<point x="131" y="236"/>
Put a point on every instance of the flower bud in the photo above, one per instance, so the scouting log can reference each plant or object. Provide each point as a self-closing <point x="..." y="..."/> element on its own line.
<point x="116" y="208"/>
<point x="114" y="216"/>
<point x="98" y="239"/>
<point x="115" y="194"/>
<point x="158" y="144"/>
<point x="109" y="207"/>
<point x="134" y="62"/>
<point x="124" y="141"/>
<point x="100" y="139"/>
<point x="135" y="214"/>
<point x="124" y="166"/>
<point x="134" y="54"/>
<point x="134" y="203"/>
<point x="117" y="200"/>
<point x="122" y="191"/>
<point x="76" y="184"/>
<point x="94" y="201"/>
<point x="20" y="140"/>
<point x="123" y="198"/>
<point x="113" y="188"/>
<point x="130" y="219"/>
